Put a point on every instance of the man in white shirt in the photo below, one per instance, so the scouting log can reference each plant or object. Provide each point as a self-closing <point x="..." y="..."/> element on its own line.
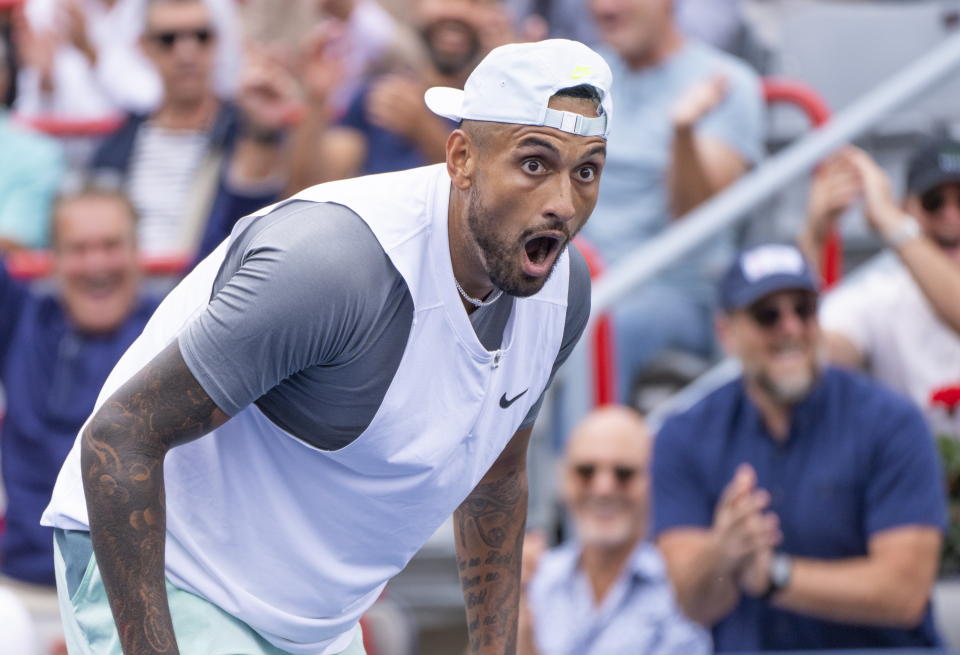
<point x="896" y="319"/>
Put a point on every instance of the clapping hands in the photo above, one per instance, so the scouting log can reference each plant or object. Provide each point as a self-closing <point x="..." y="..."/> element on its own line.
<point x="744" y="531"/>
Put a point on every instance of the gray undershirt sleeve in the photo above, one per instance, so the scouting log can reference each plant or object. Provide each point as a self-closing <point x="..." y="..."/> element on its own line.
<point x="300" y="287"/>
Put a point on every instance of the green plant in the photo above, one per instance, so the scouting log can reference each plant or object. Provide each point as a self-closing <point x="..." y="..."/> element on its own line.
<point x="950" y="455"/>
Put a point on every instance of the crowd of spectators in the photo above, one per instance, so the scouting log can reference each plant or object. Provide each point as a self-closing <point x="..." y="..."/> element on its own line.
<point x="799" y="506"/>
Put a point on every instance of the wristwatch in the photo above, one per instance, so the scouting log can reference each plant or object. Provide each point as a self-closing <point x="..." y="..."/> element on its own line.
<point x="781" y="569"/>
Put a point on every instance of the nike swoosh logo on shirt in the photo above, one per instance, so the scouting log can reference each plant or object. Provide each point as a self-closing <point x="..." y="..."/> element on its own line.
<point x="506" y="403"/>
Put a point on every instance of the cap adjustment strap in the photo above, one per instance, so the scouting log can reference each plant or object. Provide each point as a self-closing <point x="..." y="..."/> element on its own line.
<point x="567" y="121"/>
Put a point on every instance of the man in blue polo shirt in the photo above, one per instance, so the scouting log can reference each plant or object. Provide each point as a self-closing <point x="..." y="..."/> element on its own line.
<point x="55" y="352"/>
<point x="799" y="506"/>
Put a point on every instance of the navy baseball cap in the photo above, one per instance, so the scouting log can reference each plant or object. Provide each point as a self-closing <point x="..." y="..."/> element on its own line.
<point x="934" y="162"/>
<point x="763" y="270"/>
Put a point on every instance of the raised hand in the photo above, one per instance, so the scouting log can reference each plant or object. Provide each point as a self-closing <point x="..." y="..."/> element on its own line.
<point x="322" y="61"/>
<point x="395" y="103"/>
<point x="836" y="184"/>
<point x="698" y="101"/>
<point x="879" y="205"/>
<point x="268" y="97"/>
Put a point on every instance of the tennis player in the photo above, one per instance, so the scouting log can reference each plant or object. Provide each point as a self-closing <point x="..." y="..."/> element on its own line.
<point x="351" y="366"/>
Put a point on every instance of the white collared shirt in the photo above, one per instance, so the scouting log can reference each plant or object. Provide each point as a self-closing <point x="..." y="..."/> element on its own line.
<point x="638" y="614"/>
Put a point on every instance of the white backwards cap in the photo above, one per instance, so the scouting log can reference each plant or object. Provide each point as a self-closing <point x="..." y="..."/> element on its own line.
<point x="514" y="83"/>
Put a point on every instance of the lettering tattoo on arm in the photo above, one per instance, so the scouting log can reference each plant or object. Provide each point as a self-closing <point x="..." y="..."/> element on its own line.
<point x="490" y="525"/>
<point x="122" y="453"/>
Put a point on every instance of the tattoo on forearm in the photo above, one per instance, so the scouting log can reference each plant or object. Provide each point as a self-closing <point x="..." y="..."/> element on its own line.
<point x="489" y="509"/>
<point x="490" y="525"/>
<point x="122" y="461"/>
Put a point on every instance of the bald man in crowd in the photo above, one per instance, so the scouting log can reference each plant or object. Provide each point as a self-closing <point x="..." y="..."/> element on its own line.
<point x="606" y="590"/>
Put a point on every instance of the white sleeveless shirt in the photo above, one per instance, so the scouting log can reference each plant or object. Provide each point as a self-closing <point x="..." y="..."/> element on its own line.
<point x="298" y="542"/>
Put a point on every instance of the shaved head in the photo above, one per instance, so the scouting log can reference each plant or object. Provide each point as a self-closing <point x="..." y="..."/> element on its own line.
<point x="605" y="478"/>
<point x="614" y="424"/>
<point x="482" y="133"/>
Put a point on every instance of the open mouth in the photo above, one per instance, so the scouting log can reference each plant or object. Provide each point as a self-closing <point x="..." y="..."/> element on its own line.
<point x="541" y="250"/>
<point x="100" y="286"/>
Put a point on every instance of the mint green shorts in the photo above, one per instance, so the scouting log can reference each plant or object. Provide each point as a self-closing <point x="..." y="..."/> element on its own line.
<point x="201" y="627"/>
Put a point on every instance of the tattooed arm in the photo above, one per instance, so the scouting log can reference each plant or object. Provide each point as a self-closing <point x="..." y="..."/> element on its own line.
<point x="489" y="535"/>
<point x="122" y="456"/>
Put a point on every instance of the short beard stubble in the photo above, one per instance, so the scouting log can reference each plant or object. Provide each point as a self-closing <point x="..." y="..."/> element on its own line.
<point x="502" y="258"/>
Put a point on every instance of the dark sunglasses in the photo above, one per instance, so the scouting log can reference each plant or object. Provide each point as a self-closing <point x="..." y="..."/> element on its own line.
<point x="933" y="200"/>
<point x="767" y="315"/>
<point x="168" y="38"/>
<point x="622" y="474"/>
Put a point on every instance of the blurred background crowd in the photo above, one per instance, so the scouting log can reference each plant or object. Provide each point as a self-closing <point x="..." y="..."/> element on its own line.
<point x="741" y="489"/>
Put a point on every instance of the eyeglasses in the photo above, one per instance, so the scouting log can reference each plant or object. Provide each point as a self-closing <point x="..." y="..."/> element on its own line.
<point x="167" y="39"/>
<point x="933" y="200"/>
<point x="622" y="474"/>
<point x="768" y="314"/>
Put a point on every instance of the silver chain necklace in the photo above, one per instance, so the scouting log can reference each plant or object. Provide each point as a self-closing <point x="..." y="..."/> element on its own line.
<point x="475" y="301"/>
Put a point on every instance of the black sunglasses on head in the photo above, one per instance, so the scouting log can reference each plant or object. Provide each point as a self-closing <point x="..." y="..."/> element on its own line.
<point x="168" y="38"/>
<point x="767" y="315"/>
<point x="623" y="474"/>
<point x="933" y="200"/>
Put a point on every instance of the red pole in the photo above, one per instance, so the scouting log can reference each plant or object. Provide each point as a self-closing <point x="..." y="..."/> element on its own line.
<point x="776" y="90"/>
<point x="32" y="264"/>
<point x="68" y="127"/>
<point x="604" y="350"/>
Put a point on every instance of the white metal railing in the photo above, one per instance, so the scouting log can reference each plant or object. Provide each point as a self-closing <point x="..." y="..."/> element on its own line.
<point x="734" y="204"/>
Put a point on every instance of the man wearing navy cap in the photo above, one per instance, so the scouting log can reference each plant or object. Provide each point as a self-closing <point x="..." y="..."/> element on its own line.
<point x="799" y="506"/>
